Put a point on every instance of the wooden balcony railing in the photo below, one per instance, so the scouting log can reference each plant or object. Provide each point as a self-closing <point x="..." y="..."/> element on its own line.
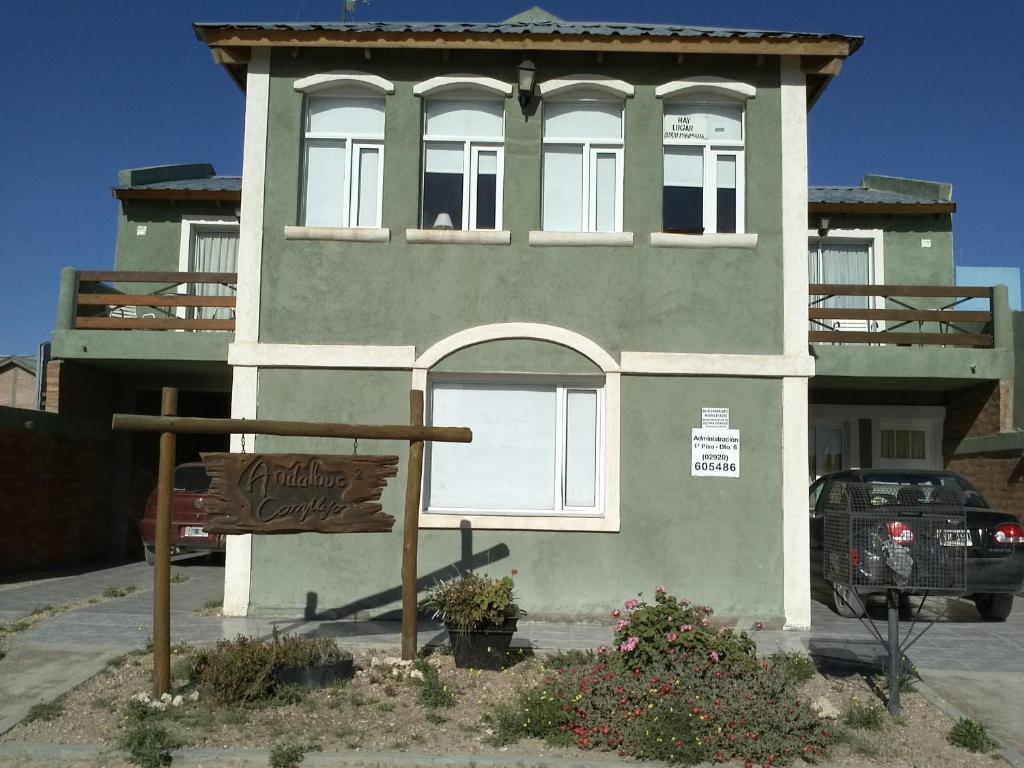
<point x="919" y="315"/>
<point x="170" y="301"/>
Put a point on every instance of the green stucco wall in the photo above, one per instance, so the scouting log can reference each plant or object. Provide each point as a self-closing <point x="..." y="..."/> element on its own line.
<point x="517" y="355"/>
<point x="716" y="540"/>
<point x="157" y="250"/>
<point x="635" y="298"/>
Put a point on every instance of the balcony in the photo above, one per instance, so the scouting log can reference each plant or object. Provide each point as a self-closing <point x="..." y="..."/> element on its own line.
<point x="890" y="333"/>
<point x="155" y="316"/>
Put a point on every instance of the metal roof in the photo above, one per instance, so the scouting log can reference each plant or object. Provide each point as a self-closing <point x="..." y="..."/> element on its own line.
<point x="210" y="184"/>
<point x="865" y="196"/>
<point x="595" y="28"/>
<point x="27" y="362"/>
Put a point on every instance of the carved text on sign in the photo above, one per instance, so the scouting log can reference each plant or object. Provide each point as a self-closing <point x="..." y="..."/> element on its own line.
<point x="297" y="493"/>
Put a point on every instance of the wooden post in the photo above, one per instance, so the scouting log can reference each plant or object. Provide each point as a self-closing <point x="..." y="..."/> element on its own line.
<point x="162" y="567"/>
<point x="410" y="534"/>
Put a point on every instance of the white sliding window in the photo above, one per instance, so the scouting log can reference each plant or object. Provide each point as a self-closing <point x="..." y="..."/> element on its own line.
<point x="582" y="185"/>
<point x="463" y="161"/>
<point x="535" y="448"/>
<point x="343" y="161"/>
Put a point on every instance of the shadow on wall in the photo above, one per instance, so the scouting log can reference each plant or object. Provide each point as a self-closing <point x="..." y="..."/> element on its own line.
<point x="467" y="561"/>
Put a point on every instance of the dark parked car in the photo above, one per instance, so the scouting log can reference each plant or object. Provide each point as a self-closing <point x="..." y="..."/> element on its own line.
<point x="188" y="515"/>
<point x="994" y="563"/>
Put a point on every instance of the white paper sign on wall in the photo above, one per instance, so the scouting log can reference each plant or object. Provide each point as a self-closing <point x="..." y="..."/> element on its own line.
<point x="714" y="418"/>
<point x="715" y="453"/>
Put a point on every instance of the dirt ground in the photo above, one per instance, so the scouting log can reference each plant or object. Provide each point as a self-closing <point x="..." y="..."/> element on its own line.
<point x="379" y="710"/>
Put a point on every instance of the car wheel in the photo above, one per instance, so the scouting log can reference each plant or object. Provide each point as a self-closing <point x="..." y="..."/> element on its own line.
<point x="994" y="606"/>
<point x="847" y="602"/>
<point x="150" y="553"/>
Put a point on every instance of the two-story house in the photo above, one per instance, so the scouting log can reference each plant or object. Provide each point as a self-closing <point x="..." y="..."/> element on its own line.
<point x="588" y="242"/>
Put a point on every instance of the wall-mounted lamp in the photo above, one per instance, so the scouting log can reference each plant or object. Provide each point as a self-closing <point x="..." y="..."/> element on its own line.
<point x="443" y="221"/>
<point x="527" y="78"/>
<point x="823" y="223"/>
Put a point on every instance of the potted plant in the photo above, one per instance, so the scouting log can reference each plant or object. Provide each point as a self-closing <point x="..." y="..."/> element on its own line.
<point x="480" y="614"/>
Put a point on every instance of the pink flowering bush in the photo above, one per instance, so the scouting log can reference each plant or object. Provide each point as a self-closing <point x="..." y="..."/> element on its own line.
<point x="651" y="636"/>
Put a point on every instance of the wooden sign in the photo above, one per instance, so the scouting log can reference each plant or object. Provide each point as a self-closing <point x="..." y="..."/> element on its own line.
<point x="297" y="493"/>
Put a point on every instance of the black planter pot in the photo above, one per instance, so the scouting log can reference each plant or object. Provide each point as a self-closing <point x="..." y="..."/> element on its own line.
<point x="482" y="648"/>
<point x="316" y="675"/>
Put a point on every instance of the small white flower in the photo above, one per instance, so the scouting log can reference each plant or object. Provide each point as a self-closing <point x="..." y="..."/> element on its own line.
<point x="177" y="701"/>
<point x="416" y="674"/>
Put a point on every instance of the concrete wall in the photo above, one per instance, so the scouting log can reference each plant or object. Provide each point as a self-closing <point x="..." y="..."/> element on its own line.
<point x="717" y="540"/>
<point x="637" y="298"/>
<point x="157" y="249"/>
<point x="55" y="504"/>
<point x="17" y="387"/>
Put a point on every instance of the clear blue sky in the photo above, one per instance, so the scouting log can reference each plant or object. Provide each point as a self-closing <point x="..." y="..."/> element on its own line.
<point x="89" y="87"/>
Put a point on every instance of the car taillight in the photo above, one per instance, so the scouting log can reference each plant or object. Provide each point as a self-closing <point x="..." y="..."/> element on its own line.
<point x="1009" y="533"/>
<point x="854" y="559"/>
<point x="901" y="533"/>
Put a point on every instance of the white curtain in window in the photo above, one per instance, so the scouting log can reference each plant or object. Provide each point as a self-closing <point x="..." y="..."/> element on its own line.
<point x="843" y="264"/>
<point x="581" y="448"/>
<point x="472" y="119"/>
<point x="325" y="183"/>
<point x="369" y="159"/>
<point x="684" y="167"/>
<point x="214" y="251"/>
<point x="563" y="189"/>
<point x="605" y="188"/>
<point x="594" y="120"/>
<point x="351" y="117"/>
<point x="511" y="462"/>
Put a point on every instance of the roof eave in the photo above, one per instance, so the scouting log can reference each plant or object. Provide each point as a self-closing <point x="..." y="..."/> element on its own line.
<point x="218" y="195"/>
<point x="871" y="208"/>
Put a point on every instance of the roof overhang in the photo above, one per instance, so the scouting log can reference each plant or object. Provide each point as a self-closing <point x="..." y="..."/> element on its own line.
<point x="216" y="195"/>
<point x="871" y="208"/>
<point x="821" y="56"/>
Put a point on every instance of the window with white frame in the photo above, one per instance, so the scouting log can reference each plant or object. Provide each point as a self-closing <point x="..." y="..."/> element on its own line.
<point x="903" y="443"/>
<point x="535" y="450"/>
<point x="343" y="164"/>
<point x="463" y="161"/>
<point x="703" y="187"/>
<point x="582" y="186"/>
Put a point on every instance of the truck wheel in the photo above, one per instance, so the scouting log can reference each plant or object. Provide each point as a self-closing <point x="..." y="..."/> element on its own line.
<point x="994" y="606"/>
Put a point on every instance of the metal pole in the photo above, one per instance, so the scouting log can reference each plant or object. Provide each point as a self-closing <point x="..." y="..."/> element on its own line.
<point x="895" y="653"/>
<point x="162" y="567"/>
<point x="410" y="537"/>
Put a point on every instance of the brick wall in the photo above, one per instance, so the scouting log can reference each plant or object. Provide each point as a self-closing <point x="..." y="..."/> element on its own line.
<point x="17" y="387"/>
<point x="55" y="499"/>
<point x="975" y="412"/>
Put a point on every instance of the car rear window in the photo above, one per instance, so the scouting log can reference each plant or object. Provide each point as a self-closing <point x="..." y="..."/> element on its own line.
<point x="191" y="478"/>
<point x="905" y="489"/>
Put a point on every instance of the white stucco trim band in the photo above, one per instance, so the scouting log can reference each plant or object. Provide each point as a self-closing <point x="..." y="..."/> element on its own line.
<point x="238" y="555"/>
<point x="254" y="167"/>
<point x="342" y="77"/>
<point x="708" y="364"/>
<point x="436" y="85"/>
<point x="321" y="356"/>
<point x="709" y="240"/>
<point x="705" y="84"/>
<point x="599" y="82"/>
<point x="796" y="583"/>
<point x="345" y="234"/>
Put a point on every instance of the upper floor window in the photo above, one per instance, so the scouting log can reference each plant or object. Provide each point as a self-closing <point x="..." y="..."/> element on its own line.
<point x="343" y="164"/>
<point x="704" y="136"/>
<point x="463" y="161"/>
<point x="582" y="162"/>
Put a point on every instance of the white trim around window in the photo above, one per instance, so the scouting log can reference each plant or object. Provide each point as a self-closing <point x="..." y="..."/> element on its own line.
<point x="325" y="80"/>
<point x="609" y="85"/>
<point x="873" y="240"/>
<point x="705" y="84"/>
<point x="191" y="227"/>
<point x="439" y="85"/>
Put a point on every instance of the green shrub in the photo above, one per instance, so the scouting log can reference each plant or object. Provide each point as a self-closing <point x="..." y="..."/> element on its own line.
<point x="433" y="691"/>
<point x="46" y="711"/>
<point x="144" y="738"/>
<point x="650" y="637"/>
<point x="971" y="735"/>
<point x="112" y="592"/>
<point x="564" y="659"/>
<point x="472" y="601"/>
<point x="868" y="716"/>
<point x="289" y="755"/>
<point x="685" y="712"/>
<point x="243" y="671"/>
<point x="797" y="668"/>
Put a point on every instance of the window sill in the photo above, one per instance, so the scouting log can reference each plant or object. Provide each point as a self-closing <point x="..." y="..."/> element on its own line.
<point x="346" y="234"/>
<point x="672" y="240"/>
<point x="599" y="524"/>
<point x="539" y="237"/>
<point x="460" y="236"/>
